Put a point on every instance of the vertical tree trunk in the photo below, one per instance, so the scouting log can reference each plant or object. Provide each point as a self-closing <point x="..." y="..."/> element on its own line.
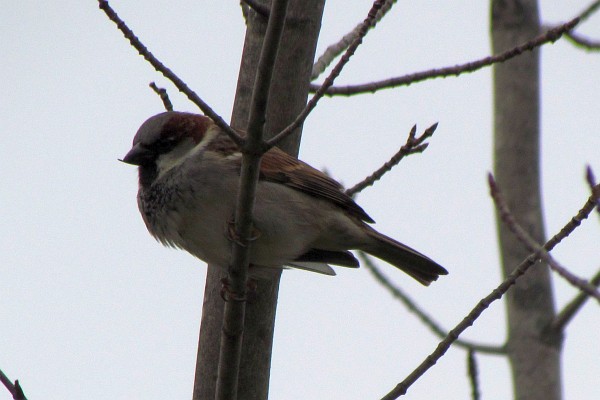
<point x="289" y="91"/>
<point x="534" y="355"/>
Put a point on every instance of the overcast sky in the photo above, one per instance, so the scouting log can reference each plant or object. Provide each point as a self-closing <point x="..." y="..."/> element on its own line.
<point x="91" y="307"/>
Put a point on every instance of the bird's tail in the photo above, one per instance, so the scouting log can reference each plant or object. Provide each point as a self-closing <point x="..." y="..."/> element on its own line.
<point x="415" y="264"/>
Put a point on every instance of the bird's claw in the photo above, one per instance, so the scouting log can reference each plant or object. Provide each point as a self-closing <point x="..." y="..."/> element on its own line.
<point x="229" y="295"/>
<point x="234" y="237"/>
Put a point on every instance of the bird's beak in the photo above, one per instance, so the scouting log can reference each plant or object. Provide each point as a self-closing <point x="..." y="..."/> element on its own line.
<point x="138" y="155"/>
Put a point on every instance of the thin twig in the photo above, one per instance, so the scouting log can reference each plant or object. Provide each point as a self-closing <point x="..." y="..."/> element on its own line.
<point x="531" y="245"/>
<point x="160" y="67"/>
<point x="550" y="36"/>
<point x="583" y="42"/>
<point x="334" y="50"/>
<point x="589" y="10"/>
<point x="14" y="388"/>
<point x="164" y="96"/>
<point x="421" y="314"/>
<point x="413" y="145"/>
<point x="473" y="372"/>
<point x="580" y="40"/>
<point x="484" y="303"/>
<point x="335" y="72"/>
<point x="591" y="180"/>
<point x="565" y="316"/>
<point x="234" y="312"/>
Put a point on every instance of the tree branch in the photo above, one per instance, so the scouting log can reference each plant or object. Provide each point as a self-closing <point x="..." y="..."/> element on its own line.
<point x="164" y="96"/>
<point x="570" y="310"/>
<point x="14" y="389"/>
<point x="550" y="36"/>
<point x="580" y="40"/>
<point x="484" y="303"/>
<point x="591" y="180"/>
<point x="473" y="372"/>
<point x="334" y="50"/>
<point x="335" y="72"/>
<point x="233" y="318"/>
<point x="532" y="245"/>
<point x="421" y="314"/>
<point x="160" y="67"/>
<point x="583" y="42"/>
<point x="413" y="145"/>
<point x="589" y="10"/>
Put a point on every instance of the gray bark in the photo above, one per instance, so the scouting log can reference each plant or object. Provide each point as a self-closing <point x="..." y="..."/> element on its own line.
<point x="288" y="94"/>
<point x="534" y="352"/>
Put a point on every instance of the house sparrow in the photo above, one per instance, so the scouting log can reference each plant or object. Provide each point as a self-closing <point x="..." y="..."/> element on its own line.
<point x="188" y="181"/>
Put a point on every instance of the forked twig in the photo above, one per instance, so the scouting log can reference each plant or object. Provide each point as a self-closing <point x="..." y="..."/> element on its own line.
<point x="413" y="145"/>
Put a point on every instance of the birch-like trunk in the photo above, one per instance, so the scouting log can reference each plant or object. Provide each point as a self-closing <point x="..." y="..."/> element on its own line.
<point x="534" y="354"/>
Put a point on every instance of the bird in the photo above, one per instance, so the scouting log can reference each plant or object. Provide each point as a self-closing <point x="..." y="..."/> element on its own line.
<point x="189" y="172"/>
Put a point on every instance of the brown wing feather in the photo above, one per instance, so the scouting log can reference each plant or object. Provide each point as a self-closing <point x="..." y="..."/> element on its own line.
<point x="278" y="166"/>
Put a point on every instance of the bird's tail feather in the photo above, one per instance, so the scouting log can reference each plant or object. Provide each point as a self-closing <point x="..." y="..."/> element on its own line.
<point x="415" y="264"/>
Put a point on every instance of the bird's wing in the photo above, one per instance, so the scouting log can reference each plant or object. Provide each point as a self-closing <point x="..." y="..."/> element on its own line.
<point x="278" y="166"/>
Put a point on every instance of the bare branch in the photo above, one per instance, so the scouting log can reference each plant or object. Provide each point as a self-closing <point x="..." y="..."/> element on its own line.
<point x="591" y="180"/>
<point x="583" y="42"/>
<point x="589" y="10"/>
<point x="550" y="36"/>
<point x="570" y="310"/>
<point x="234" y="313"/>
<point x="164" y="96"/>
<point x="421" y="314"/>
<point x="14" y="389"/>
<point x="484" y="303"/>
<point x="580" y="40"/>
<point x="473" y="375"/>
<point x="580" y="283"/>
<point x="413" y="145"/>
<point x="532" y="245"/>
<point x="160" y="67"/>
<point x="333" y="51"/>
<point x="335" y="72"/>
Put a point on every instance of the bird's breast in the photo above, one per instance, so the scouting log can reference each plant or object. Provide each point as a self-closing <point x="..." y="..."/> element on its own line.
<point x="160" y="209"/>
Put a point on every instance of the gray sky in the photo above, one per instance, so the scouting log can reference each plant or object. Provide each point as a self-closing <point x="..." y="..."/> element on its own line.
<point x="92" y="307"/>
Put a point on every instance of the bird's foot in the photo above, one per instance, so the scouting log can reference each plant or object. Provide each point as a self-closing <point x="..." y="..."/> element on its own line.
<point x="234" y="237"/>
<point x="249" y="295"/>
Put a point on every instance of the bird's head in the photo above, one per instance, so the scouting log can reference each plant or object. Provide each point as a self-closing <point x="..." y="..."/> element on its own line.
<point x="166" y="140"/>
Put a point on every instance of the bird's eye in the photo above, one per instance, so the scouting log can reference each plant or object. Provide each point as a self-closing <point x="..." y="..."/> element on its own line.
<point x="164" y="145"/>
